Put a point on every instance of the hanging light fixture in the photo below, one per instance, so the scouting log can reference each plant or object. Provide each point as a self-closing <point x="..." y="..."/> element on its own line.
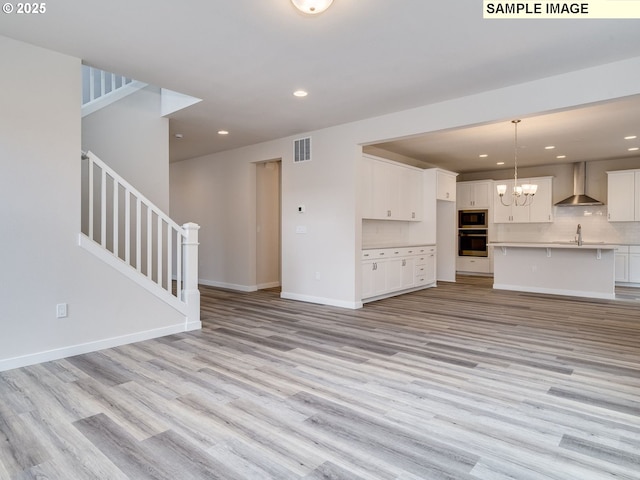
<point x="312" y="7"/>
<point x="522" y="195"/>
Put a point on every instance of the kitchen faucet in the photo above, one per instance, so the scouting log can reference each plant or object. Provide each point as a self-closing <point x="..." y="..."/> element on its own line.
<point x="579" y="235"/>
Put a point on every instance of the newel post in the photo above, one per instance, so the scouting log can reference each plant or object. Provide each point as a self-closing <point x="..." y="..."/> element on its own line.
<point x="191" y="294"/>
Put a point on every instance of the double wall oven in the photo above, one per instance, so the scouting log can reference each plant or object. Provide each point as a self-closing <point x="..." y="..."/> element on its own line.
<point x="472" y="233"/>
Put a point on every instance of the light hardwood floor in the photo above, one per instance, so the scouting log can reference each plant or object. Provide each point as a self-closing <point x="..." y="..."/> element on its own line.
<point x="455" y="382"/>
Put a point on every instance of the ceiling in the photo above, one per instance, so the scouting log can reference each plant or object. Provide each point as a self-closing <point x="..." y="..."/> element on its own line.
<point x="358" y="59"/>
<point x="593" y="132"/>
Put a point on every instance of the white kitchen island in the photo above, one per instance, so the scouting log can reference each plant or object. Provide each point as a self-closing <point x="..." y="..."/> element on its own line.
<point x="555" y="268"/>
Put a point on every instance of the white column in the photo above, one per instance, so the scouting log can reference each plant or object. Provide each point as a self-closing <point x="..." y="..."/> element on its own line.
<point x="191" y="294"/>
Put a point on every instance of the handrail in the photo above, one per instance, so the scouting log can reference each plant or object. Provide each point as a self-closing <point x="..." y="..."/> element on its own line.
<point x="132" y="228"/>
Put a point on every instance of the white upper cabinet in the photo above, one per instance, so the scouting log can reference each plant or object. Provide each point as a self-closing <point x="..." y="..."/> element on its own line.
<point x="623" y="196"/>
<point x="390" y="191"/>
<point x="473" y="194"/>
<point x="446" y="185"/>
<point x="540" y="210"/>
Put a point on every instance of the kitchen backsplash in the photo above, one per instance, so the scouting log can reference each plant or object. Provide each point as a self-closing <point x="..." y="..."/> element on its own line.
<point x="595" y="228"/>
<point x="385" y="233"/>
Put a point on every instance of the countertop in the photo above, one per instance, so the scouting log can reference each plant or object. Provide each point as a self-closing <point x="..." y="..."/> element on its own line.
<point x="568" y="245"/>
<point x="399" y="245"/>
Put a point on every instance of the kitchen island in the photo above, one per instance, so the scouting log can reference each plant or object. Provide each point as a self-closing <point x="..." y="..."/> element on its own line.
<point x="559" y="268"/>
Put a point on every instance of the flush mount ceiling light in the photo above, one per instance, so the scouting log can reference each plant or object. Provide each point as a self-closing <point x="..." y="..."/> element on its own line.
<point x="300" y="93"/>
<point x="522" y="195"/>
<point x="312" y="7"/>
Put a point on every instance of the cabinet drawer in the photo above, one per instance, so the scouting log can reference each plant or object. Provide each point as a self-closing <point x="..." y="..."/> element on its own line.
<point x="376" y="253"/>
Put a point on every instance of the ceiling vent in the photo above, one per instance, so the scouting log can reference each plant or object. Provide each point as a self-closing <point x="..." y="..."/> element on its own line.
<point x="302" y="150"/>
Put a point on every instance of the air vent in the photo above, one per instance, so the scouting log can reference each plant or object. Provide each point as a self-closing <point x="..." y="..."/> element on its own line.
<point x="302" y="150"/>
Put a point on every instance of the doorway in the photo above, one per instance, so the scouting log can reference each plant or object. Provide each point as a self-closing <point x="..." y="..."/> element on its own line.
<point x="268" y="220"/>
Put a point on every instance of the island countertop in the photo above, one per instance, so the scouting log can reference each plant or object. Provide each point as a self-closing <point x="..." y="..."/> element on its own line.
<point x="584" y="246"/>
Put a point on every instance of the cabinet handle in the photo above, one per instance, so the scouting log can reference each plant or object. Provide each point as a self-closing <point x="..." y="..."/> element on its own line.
<point x="413" y="214"/>
<point x="388" y="213"/>
<point x="375" y="266"/>
<point x="404" y="262"/>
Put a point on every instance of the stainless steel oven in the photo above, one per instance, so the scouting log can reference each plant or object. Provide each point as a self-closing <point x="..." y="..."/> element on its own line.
<point x="472" y="242"/>
<point x="473" y="218"/>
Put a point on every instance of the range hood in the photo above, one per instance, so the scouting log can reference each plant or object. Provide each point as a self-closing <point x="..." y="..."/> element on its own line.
<point x="579" y="180"/>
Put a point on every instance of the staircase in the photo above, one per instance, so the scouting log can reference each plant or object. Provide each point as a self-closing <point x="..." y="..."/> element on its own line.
<point x="100" y="88"/>
<point x="127" y="231"/>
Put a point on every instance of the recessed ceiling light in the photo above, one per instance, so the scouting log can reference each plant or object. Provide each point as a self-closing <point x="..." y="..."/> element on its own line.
<point x="561" y="156"/>
<point x="300" y="93"/>
<point x="483" y="155"/>
<point x="500" y="163"/>
<point x="223" y="132"/>
<point x="178" y="135"/>
<point x="633" y="149"/>
<point x="631" y="137"/>
<point x="549" y="147"/>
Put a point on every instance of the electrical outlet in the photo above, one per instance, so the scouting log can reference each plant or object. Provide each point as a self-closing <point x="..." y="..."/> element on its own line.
<point x="61" y="310"/>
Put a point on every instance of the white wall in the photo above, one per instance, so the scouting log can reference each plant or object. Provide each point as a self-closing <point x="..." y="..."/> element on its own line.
<point x="217" y="191"/>
<point x="40" y="257"/>
<point x="132" y="137"/>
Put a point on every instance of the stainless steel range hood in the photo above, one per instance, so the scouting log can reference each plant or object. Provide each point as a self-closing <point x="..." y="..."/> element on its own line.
<point x="579" y="180"/>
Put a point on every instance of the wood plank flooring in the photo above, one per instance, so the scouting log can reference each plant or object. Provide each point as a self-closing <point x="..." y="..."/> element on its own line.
<point x="456" y="382"/>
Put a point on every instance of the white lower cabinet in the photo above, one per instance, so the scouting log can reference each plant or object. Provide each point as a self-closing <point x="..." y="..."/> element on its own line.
<point x="474" y="265"/>
<point x="627" y="264"/>
<point x="390" y="271"/>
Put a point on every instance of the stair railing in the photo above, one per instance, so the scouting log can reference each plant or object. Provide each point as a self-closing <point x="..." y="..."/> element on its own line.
<point x="100" y="88"/>
<point x="137" y="234"/>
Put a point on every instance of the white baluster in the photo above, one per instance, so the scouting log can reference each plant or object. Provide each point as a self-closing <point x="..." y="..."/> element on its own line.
<point x="103" y="209"/>
<point x="159" y="253"/>
<point x="138" y="235"/>
<point x="116" y="217"/>
<point x="149" y="243"/>
<point x="127" y="226"/>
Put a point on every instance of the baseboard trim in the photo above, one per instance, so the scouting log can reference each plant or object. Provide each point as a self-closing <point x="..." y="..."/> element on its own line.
<point x="553" y="291"/>
<point x="321" y="300"/>
<point x="57" y="354"/>
<point x="228" y="286"/>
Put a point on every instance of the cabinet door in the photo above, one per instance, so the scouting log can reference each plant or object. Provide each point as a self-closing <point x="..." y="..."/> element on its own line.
<point x="621" y="196"/>
<point x="394" y="275"/>
<point x="464" y="195"/>
<point x="622" y="267"/>
<point x="502" y="213"/>
<point x="380" y="277"/>
<point x="541" y="210"/>
<point x="481" y="195"/>
<point x="634" y="268"/>
<point x="368" y="272"/>
<point x="446" y="186"/>
<point x="410" y="205"/>
<point x="385" y="190"/>
<point x="408" y="272"/>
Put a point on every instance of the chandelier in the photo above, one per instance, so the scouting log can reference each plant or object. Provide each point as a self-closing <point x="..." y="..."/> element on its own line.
<point x="312" y="7"/>
<point x="522" y="195"/>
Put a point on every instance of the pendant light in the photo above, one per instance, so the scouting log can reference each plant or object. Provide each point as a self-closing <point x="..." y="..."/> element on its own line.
<point x="522" y="195"/>
<point x="312" y="7"/>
